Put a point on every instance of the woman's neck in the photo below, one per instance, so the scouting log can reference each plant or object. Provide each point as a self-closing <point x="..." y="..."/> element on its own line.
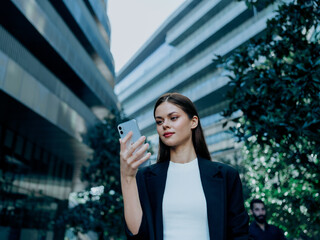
<point x="182" y="154"/>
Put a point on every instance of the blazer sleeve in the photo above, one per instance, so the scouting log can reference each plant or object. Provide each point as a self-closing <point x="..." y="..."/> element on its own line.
<point x="238" y="219"/>
<point x="143" y="232"/>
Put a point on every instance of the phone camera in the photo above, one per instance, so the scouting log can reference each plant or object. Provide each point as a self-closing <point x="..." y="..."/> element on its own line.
<point x="120" y="128"/>
<point x="121" y="132"/>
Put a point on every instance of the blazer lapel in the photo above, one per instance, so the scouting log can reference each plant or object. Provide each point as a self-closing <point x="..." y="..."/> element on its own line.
<point x="156" y="182"/>
<point x="212" y="183"/>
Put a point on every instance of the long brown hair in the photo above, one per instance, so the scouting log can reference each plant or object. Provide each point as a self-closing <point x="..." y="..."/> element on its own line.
<point x="198" y="140"/>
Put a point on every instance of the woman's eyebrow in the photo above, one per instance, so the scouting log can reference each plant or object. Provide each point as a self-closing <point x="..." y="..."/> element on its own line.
<point x="169" y="114"/>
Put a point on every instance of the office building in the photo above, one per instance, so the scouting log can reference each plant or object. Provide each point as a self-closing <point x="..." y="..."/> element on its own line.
<point x="56" y="81"/>
<point x="178" y="57"/>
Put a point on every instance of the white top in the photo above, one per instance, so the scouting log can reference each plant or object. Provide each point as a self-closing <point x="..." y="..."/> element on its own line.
<point x="184" y="205"/>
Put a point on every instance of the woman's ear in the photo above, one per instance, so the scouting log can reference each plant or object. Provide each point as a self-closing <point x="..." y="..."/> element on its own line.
<point x="194" y="122"/>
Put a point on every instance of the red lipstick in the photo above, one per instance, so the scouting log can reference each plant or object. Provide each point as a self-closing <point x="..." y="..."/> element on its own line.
<point x="168" y="134"/>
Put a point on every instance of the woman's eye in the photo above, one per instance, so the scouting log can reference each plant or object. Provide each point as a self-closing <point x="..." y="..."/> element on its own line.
<point x="158" y="122"/>
<point x="174" y="118"/>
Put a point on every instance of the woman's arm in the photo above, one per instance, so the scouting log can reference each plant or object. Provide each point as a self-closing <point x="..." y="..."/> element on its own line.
<point x="129" y="164"/>
<point x="131" y="202"/>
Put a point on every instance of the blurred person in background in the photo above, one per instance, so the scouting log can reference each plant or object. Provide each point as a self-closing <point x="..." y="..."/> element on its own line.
<point x="259" y="229"/>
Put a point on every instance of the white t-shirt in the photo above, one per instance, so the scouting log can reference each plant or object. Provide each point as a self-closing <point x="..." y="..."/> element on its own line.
<point x="184" y="205"/>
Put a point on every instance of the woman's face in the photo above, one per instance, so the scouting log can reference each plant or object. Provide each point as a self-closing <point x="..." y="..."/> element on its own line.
<point x="173" y="125"/>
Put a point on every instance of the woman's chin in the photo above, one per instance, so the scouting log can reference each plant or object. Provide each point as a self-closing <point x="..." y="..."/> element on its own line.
<point x="168" y="142"/>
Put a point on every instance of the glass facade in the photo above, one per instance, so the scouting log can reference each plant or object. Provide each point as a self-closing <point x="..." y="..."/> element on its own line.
<point x="56" y="70"/>
<point x="34" y="184"/>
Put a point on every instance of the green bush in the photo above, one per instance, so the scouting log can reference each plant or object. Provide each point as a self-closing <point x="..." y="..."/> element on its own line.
<point x="275" y="82"/>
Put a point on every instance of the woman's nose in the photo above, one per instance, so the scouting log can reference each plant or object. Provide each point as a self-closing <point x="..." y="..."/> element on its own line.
<point x="165" y="124"/>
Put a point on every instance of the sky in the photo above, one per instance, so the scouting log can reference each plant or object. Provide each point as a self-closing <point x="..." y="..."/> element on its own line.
<point x="133" y="22"/>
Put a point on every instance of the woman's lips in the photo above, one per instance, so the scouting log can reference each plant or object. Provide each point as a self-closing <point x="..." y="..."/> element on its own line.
<point x="168" y="134"/>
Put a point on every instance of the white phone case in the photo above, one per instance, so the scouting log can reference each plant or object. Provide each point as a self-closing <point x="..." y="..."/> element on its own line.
<point x="131" y="125"/>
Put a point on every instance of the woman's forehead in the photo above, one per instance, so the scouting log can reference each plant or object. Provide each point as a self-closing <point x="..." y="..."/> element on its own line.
<point x="166" y="108"/>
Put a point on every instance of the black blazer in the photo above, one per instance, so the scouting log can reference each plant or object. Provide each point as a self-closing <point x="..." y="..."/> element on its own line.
<point x="227" y="217"/>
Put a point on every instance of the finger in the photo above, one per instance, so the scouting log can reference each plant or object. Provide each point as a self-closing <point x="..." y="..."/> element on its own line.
<point x="123" y="142"/>
<point x="136" y="164"/>
<point x="134" y="146"/>
<point x="141" y="151"/>
<point x="137" y="155"/>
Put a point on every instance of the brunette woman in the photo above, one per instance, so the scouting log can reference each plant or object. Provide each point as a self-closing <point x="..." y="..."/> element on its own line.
<point x="184" y="196"/>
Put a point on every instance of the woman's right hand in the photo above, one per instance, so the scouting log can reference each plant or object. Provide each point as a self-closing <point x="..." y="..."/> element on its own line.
<point x="130" y="161"/>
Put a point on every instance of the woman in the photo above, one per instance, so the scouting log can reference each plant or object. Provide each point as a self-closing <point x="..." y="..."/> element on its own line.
<point x="184" y="195"/>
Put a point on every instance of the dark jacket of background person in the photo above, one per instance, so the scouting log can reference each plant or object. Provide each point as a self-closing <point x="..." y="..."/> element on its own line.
<point x="271" y="232"/>
<point x="227" y="217"/>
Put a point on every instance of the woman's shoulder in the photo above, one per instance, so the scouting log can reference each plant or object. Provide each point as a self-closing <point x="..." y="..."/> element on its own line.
<point x="159" y="168"/>
<point x="153" y="168"/>
<point x="222" y="167"/>
<point x="224" y="171"/>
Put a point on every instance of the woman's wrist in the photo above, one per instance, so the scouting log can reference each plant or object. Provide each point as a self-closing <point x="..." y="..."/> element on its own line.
<point x="127" y="179"/>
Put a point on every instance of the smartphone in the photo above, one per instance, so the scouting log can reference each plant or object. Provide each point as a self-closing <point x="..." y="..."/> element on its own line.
<point x="132" y="125"/>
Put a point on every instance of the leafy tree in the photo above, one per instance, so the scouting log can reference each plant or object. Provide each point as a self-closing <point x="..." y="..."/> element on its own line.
<point x="275" y="82"/>
<point x="102" y="214"/>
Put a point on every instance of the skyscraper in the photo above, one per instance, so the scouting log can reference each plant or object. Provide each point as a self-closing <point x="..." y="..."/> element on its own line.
<point x="56" y="81"/>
